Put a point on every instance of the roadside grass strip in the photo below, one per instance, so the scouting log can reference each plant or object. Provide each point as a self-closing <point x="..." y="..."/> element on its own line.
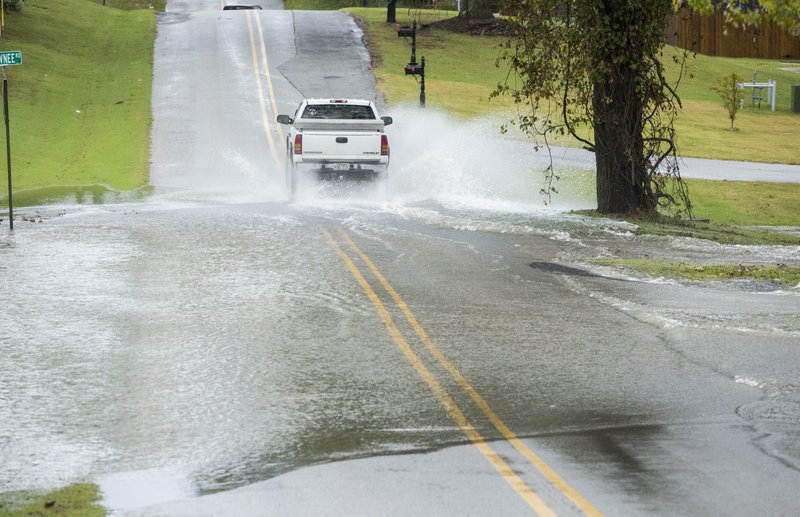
<point x="785" y="276"/>
<point x="747" y="203"/>
<point x="455" y="412"/>
<point x="80" y="102"/>
<point x="76" y="500"/>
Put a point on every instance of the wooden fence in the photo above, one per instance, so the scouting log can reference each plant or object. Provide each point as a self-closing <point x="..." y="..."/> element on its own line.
<point x="709" y="35"/>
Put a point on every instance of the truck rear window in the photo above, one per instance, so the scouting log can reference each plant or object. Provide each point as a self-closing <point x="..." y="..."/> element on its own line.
<point x="338" y="112"/>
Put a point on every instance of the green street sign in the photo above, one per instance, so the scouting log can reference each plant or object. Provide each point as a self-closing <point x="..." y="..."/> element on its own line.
<point x="11" y="57"/>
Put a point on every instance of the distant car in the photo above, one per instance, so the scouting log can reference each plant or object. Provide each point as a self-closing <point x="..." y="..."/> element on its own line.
<point x="239" y="7"/>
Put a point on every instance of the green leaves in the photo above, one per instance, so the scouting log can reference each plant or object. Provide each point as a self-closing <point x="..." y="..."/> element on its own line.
<point x="732" y="96"/>
<point x="592" y="69"/>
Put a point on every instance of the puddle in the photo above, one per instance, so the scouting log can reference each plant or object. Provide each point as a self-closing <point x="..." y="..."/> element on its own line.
<point x="126" y="491"/>
<point x="77" y="195"/>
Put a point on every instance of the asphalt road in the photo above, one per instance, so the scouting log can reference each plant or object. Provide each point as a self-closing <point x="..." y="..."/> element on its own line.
<point x="217" y="350"/>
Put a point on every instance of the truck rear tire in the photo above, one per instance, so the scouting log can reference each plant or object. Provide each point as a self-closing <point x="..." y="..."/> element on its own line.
<point x="291" y="176"/>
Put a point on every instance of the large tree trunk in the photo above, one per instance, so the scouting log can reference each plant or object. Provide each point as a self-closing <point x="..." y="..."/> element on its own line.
<point x="391" y="11"/>
<point x="621" y="177"/>
<point x="622" y="181"/>
<point x="476" y="10"/>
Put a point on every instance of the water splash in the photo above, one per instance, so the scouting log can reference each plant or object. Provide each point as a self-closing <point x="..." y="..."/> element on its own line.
<point x="470" y="164"/>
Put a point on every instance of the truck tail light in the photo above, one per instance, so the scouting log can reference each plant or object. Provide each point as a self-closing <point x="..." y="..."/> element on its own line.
<point x="384" y="145"/>
<point x="298" y="144"/>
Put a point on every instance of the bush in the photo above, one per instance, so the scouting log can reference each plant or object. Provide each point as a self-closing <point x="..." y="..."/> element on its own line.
<point x="13" y="5"/>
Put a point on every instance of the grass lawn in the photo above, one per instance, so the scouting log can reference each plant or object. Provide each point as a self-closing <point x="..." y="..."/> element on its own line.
<point x="460" y="70"/>
<point x="80" y="101"/>
<point x="746" y="203"/>
<point x="761" y="135"/>
<point x="77" y="500"/>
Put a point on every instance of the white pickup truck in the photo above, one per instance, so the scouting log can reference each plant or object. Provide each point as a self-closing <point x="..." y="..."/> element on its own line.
<point x="338" y="138"/>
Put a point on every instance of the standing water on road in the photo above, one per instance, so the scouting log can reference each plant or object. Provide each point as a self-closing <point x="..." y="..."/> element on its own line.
<point x="173" y="338"/>
<point x="159" y="335"/>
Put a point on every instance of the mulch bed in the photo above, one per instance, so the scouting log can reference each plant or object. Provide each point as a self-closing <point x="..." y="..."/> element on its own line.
<point x="495" y="27"/>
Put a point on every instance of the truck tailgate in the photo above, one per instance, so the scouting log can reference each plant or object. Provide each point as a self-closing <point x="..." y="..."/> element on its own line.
<point x="344" y="146"/>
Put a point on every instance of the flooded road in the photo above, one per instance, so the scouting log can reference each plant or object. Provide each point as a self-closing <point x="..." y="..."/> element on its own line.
<point x="187" y="350"/>
<point x="215" y="340"/>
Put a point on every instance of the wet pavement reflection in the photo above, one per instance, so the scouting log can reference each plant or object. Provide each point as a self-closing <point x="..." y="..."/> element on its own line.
<point x="211" y="346"/>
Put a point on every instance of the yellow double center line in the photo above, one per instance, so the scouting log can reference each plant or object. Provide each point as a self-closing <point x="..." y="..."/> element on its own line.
<point x="265" y="117"/>
<point x="539" y="506"/>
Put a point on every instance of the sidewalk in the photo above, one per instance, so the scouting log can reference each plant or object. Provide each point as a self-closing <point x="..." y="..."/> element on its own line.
<point x="698" y="168"/>
<point x="739" y="171"/>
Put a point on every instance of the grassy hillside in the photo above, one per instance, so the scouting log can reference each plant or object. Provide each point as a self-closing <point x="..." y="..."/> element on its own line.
<point x="80" y="102"/>
<point x="460" y="69"/>
<point x="761" y="135"/>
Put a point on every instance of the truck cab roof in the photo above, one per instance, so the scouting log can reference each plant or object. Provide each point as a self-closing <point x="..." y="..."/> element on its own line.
<point x="358" y="102"/>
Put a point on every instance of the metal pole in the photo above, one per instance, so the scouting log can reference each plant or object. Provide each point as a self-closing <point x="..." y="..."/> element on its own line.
<point x="414" y="43"/>
<point x="422" y="85"/>
<point x="774" y="91"/>
<point x="8" y="150"/>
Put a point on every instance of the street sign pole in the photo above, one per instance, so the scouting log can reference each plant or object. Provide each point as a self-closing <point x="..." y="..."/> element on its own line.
<point x="13" y="57"/>
<point x="8" y="150"/>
